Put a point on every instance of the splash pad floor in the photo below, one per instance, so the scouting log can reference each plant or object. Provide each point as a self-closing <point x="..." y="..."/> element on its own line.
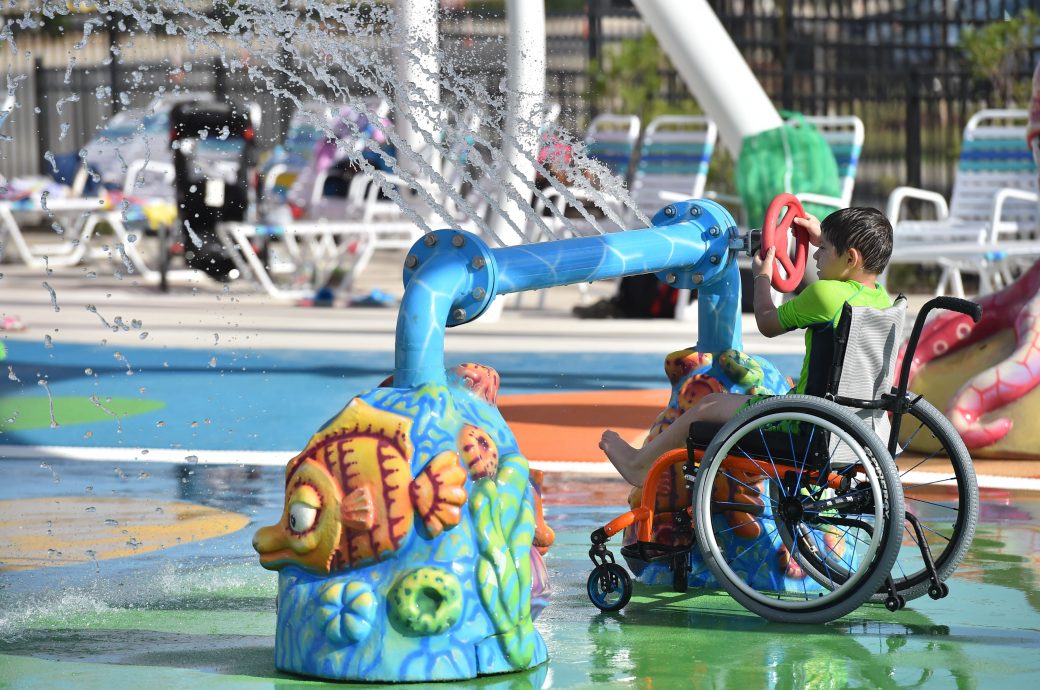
<point x="201" y="613"/>
<point x="125" y="531"/>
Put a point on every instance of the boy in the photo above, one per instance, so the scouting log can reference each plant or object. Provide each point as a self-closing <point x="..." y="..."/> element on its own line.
<point x="855" y="245"/>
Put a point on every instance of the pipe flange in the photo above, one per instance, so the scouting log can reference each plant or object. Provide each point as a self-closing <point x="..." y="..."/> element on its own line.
<point x="713" y="226"/>
<point x="470" y="251"/>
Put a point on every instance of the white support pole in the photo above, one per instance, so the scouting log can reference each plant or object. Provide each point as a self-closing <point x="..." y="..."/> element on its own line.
<point x="712" y="67"/>
<point x="418" y="69"/>
<point x="526" y="94"/>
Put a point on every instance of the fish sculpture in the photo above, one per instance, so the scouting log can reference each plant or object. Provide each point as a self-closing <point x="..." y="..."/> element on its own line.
<point x="350" y="498"/>
<point x="410" y="543"/>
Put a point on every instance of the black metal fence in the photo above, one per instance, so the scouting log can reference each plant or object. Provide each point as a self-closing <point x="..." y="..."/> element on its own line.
<point x="896" y="64"/>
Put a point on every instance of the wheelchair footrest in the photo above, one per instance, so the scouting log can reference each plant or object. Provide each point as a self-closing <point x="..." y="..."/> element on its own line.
<point x="649" y="551"/>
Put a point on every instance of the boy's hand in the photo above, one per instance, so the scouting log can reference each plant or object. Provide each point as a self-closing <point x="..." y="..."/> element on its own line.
<point x="763" y="266"/>
<point x="812" y="225"/>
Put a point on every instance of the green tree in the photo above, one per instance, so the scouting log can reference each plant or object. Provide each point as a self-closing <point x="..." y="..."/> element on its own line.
<point x="996" y="51"/>
<point x="630" y="80"/>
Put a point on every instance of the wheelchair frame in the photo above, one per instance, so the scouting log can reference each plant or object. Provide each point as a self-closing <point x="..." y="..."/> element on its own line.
<point x="609" y="577"/>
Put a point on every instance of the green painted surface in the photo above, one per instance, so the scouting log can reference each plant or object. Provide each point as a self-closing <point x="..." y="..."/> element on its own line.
<point x="34" y="412"/>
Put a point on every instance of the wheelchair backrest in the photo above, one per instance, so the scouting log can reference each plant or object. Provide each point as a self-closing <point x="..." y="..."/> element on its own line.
<point x="865" y="349"/>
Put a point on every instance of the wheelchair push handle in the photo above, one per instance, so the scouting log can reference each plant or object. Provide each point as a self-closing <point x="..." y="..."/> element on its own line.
<point x="966" y="307"/>
<point x="963" y="306"/>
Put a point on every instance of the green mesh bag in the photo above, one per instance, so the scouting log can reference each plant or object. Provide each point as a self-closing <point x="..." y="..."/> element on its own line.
<point x="792" y="158"/>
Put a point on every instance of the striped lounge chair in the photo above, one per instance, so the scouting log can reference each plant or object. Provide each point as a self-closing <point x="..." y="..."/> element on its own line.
<point x="993" y="217"/>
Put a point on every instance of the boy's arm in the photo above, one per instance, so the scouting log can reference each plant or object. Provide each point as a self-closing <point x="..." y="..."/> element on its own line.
<point x="766" y="316"/>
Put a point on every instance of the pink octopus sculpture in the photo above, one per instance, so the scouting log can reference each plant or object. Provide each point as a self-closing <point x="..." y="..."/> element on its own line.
<point x="996" y="387"/>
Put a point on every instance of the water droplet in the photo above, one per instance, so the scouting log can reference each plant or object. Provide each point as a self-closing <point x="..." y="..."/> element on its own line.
<point x="159" y="509"/>
<point x="48" y="342"/>
<point x="111" y="523"/>
<point x="88" y="371"/>
<point x="88" y="434"/>
<point x="160" y="424"/>
<point x="191" y="459"/>
<point x="91" y="509"/>
<point x="143" y="475"/>
<point x="194" y="425"/>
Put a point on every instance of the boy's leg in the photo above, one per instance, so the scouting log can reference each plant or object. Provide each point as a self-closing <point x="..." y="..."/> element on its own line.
<point x="633" y="464"/>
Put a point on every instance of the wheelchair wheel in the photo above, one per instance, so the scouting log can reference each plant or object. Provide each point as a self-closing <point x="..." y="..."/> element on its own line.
<point x="609" y="587"/>
<point x="791" y="480"/>
<point x="940" y="490"/>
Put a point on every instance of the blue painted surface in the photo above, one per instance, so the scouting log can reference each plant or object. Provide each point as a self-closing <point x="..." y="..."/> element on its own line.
<point x="271" y="399"/>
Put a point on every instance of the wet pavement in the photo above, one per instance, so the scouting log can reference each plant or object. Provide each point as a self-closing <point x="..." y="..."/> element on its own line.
<point x="201" y="613"/>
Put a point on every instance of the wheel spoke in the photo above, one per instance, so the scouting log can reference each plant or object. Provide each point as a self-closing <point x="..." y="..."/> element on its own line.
<point x="727" y="474"/>
<point x="776" y="471"/>
<point x="932" y="503"/>
<point x="805" y="459"/>
<point x="914" y="486"/>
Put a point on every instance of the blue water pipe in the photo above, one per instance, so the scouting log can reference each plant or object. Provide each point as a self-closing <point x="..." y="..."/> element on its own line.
<point x="452" y="276"/>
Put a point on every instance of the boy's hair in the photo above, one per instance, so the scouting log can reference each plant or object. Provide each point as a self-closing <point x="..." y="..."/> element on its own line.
<point x="864" y="229"/>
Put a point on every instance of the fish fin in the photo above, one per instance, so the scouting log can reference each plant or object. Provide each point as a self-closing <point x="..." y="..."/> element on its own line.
<point x="481" y="380"/>
<point x="439" y="492"/>
<point x="357" y="510"/>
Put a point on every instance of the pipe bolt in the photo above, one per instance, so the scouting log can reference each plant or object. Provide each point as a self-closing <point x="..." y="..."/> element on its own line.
<point x="478" y="262"/>
<point x="458" y="241"/>
<point x="714" y="231"/>
<point x="430" y="240"/>
<point x="669" y="211"/>
<point x="459" y="314"/>
<point x="698" y="278"/>
<point x="411" y="261"/>
<point x="478" y="293"/>
<point x="695" y="211"/>
<point x="715" y="260"/>
<point x="671" y="278"/>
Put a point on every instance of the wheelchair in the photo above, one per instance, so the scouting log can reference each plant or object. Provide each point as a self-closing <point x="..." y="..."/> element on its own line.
<point x="798" y="509"/>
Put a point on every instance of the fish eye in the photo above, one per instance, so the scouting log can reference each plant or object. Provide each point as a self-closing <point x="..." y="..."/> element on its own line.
<point x="302" y="517"/>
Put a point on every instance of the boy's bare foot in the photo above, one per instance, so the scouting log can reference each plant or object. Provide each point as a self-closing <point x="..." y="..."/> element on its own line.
<point x="622" y="456"/>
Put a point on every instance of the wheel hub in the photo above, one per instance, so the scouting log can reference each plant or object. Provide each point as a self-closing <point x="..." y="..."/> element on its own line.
<point x="791" y="509"/>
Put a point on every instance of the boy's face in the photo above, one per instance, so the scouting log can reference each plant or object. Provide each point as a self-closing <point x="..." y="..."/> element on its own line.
<point x="831" y="266"/>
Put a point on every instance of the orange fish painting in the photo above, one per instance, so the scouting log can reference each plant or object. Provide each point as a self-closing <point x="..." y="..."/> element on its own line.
<point x="350" y="498"/>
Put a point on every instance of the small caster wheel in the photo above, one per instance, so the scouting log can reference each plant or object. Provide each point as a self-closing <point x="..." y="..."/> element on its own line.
<point x="938" y="591"/>
<point x="679" y="573"/>
<point x="609" y="587"/>
<point x="895" y="602"/>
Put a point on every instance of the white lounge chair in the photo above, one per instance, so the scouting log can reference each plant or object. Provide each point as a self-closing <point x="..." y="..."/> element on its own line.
<point x="993" y="212"/>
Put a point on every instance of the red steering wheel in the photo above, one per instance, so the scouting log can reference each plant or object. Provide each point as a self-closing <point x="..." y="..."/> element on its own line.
<point x="774" y="234"/>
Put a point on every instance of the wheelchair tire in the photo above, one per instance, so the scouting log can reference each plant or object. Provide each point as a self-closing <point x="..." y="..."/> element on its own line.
<point x="947" y="506"/>
<point x="609" y="587"/>
<point x="846" y="515"/>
